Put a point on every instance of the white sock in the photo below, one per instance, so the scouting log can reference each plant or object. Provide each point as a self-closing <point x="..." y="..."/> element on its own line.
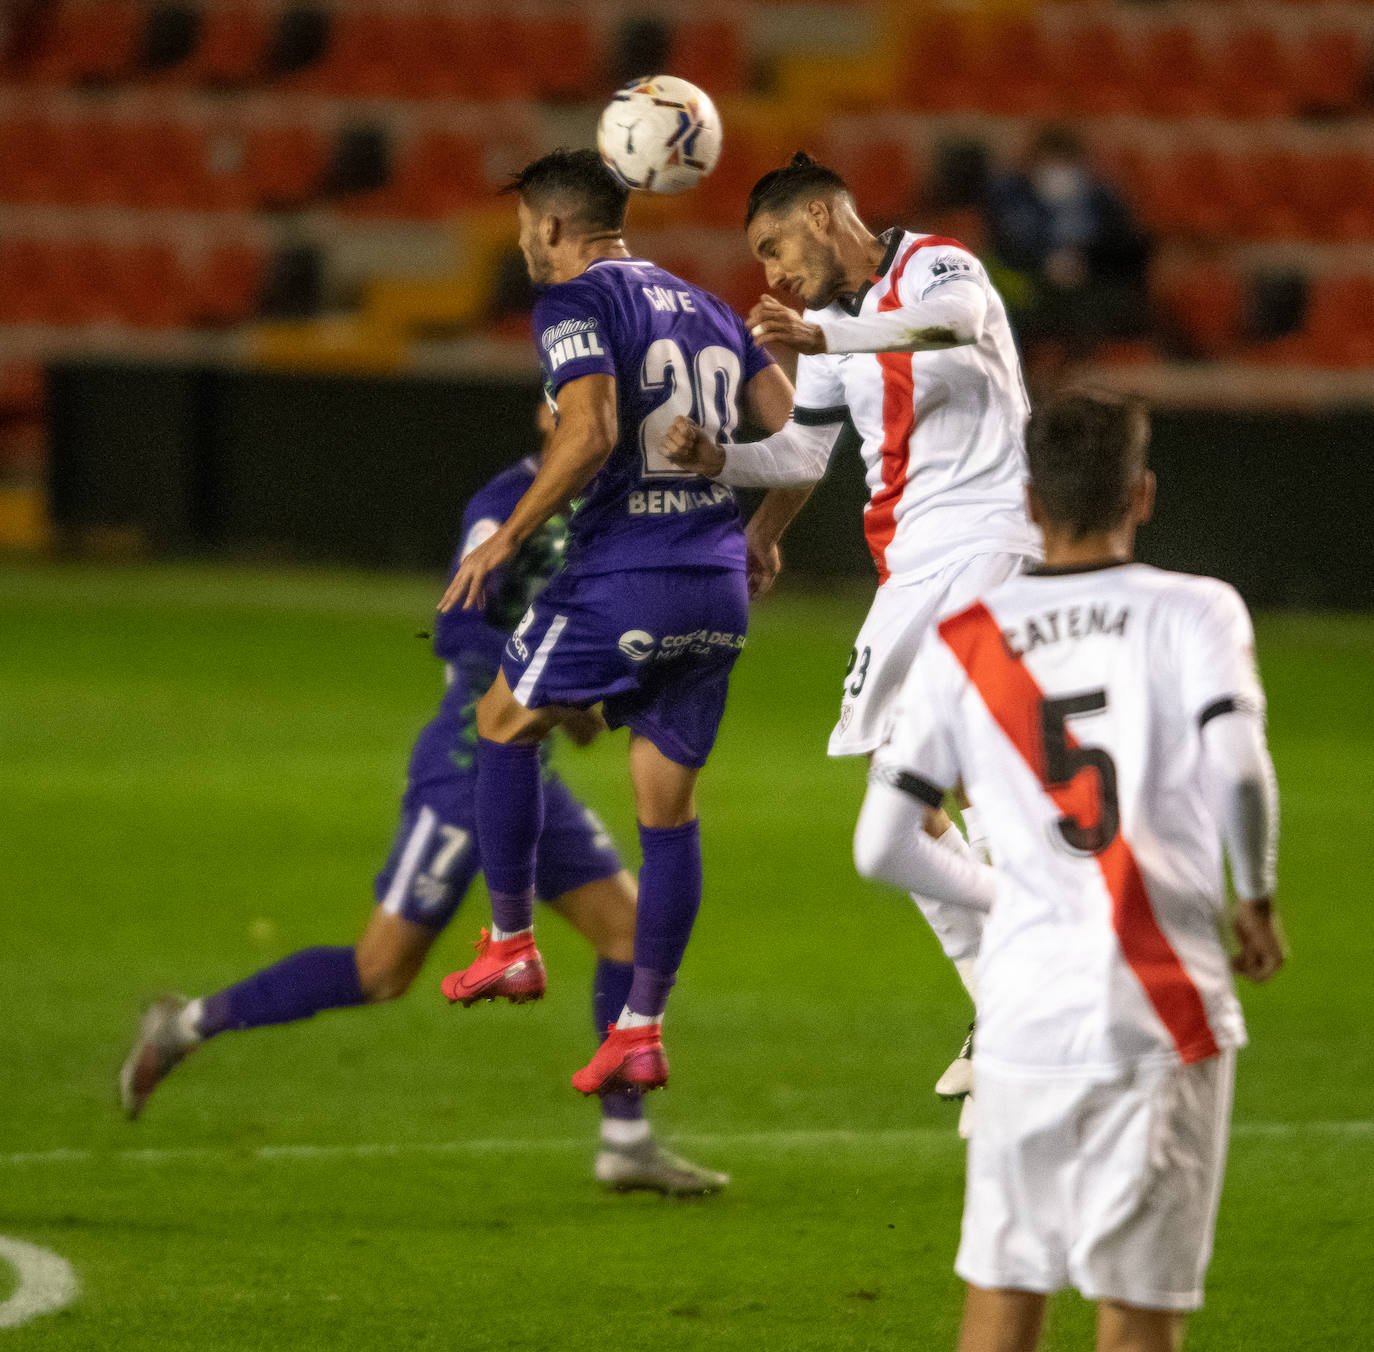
<point x="501" y="935"/>
<point x="977" y="836"/>
<point x="629" y="1019"/>
<point x="965" y="967"/>
<point x="188" y="1022"/>
<point x="952" y="840"/>
<point x="617" y="1131"/>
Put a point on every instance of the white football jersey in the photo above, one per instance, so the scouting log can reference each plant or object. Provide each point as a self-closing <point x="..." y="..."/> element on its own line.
<point x="1070" y="705"/>
<point x="943" y="431"/>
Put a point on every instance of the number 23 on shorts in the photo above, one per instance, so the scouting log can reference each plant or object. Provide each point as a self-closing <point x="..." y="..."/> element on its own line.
<point x="861" y="659"/>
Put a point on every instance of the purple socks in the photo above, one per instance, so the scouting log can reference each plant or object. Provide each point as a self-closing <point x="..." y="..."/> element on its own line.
<point x="669" y="898"/>
<point x="610" y="989"/>
<point x="295" y="988"/>
<point x="510" y="815"/>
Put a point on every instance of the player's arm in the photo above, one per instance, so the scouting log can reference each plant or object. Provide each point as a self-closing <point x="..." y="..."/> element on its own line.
<point x="953" y="316"/>
<point x="586" y="435"/>
<point x="1221" y="682"/>
<point x="1245" y="798"/>
<point x="769" y="395"/>
<point x="793" y="457"/>
<point x="893" y="844"/>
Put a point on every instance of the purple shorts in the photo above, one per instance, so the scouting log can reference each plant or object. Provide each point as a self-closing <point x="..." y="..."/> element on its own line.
<point x="434" y="857"/>
<point x="654" y="645"/>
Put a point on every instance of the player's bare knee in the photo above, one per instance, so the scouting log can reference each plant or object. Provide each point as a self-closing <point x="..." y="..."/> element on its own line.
<point x="501" y="719"/>
<point x="386" y="983"/>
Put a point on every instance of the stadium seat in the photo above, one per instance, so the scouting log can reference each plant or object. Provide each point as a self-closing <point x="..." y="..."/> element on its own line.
<point x="940" y="69"/>
<point x="232" y="50"/>
<point x="1331" y="73"/>
<point x="283" y="165"/>
<point x="1200" y="303"/>
<point x="224" y="288"/>
<point x="1254" y="75"/>
<point x="1092" y="72"/>
<point x="711" y="54"/>
<point x="1171" y="75"/>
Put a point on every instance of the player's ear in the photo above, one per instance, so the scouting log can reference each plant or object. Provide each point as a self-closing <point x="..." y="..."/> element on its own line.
<point x="550" y="230"/>
<point x="818" y="215"/>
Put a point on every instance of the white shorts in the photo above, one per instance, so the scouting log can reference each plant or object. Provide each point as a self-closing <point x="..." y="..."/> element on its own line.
<point x="1108" y="1187"/>
<point x="886" y="646"/>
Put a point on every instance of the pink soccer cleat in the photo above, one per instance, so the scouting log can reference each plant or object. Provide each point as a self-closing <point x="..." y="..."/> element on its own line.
<point x="506" y="969"/>
<point x="630" y="1058"/>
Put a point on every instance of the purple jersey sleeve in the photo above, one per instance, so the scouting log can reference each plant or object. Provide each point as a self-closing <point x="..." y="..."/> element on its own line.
<point x="571" y="331"/>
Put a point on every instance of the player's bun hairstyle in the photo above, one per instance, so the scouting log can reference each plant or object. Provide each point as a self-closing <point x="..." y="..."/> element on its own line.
<point x="578" y="178"/>
<point x="780" y="189"/>
<point x="1086" y="449"/>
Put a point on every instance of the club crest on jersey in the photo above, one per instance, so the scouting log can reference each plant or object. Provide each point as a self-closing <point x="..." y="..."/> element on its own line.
<point x="571" y="339"/>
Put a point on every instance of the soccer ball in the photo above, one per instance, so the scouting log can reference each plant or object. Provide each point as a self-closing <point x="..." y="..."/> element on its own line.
<point x="659" y="134"/>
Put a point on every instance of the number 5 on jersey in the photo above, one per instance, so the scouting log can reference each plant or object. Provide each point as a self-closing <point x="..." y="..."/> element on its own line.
<point x="1064" y="762"/>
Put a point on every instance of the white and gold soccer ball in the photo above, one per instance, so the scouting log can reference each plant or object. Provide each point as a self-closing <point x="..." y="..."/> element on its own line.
<point x="659" y="134"/>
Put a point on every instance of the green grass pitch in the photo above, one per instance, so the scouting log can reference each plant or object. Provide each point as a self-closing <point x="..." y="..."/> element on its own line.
<point x="199" y="772"/>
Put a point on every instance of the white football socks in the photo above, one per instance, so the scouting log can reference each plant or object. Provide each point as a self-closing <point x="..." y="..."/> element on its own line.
<point x="952" y="840"/>
<point x="500" y="935"/>
<point x="188" y="1022"/>
<point x="618" y="1131"/>
<point x="629" y="1019"/>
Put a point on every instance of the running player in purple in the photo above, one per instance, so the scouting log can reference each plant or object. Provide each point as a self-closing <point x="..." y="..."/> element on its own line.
<point x="649" y="612"/>
<point x="433" y="863"/>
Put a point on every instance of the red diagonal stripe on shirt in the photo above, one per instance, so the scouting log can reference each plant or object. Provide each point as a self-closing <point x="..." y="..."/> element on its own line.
<point x="1013" y="698"/>
<point x="899" y="421"/>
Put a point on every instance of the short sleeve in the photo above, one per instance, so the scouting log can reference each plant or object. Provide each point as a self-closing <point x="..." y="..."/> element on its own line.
<point x="934" y="267"/>
<point x="820" y="396"/>
<point x="1217" y="656"/>
<point x="919" y="754"/>
<point x="572" y="333"/>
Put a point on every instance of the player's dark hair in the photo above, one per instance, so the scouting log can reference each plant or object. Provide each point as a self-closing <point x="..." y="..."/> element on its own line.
<point x="579" y="179"/>
<point x="780" y="189"/>
<point x="1086" y="449"/>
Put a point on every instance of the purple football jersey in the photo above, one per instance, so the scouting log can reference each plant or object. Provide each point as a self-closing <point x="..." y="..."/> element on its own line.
<point x="673" y="349"/>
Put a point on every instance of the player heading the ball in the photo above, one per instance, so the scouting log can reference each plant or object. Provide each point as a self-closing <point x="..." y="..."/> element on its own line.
<point x="651" y="607"/>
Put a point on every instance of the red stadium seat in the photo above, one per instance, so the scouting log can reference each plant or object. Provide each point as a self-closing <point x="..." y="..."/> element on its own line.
<point x="1331" y="72"/>
<point x="710" y="54"/>
<point x="439" y="173"/>
<point x="1254" y="75"/>
<point x="283" y="165"/>
<point x="941" y="66"/>
<point x="1092" y="70"/>
<point x="1202" y="301"/>
<point x="1172" y="75"/>
<point x="232" y="49"/>
<point x="225" y="287"/>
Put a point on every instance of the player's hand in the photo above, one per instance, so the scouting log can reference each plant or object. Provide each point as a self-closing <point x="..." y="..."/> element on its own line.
<point x="689" y="448"/>
<point x="468" y="588"/>
<point x="1261" y="944"/>
<point x="770" y="321"/>
<point x="763" y="562"/>
<point x="583" y="726"/>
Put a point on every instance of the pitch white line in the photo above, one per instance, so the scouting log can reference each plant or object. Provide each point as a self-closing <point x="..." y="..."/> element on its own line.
<point x="46" y="1282"/>
<point x="923" y="1137"/>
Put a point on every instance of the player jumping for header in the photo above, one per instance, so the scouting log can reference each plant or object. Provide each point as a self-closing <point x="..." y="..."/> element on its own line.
<point x="1109" y="718"/>
<point x="904" y="334"/>
<point x="433" y="863"/>
<point x="650" y="610"/>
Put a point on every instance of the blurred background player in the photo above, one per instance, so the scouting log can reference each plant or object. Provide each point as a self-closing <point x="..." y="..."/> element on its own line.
<point x="650" y="609"/>
<point x="903" y="334"/>
<point x="435" y="859"/>
<point x="1109" y="719"/>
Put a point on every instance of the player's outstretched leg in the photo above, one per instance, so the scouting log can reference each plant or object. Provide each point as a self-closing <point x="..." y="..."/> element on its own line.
<point x="381" y="967"/>
<point x="294" y="988"/>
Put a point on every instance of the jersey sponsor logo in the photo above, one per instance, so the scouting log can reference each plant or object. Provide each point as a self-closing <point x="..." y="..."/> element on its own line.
<point x="636" y="644"/>
<point x="639" y="645"/>
<point x="670" y="502"/>
<point x="947" y="268"/>
<point x="571" y="339"/>
<point x="1053" y="626"/>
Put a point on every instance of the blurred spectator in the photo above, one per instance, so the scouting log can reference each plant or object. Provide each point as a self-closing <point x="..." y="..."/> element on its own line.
<point x="1071" y="234"/>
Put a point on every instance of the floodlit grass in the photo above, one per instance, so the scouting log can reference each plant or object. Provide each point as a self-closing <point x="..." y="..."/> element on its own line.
<point x="199" y="772"/>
